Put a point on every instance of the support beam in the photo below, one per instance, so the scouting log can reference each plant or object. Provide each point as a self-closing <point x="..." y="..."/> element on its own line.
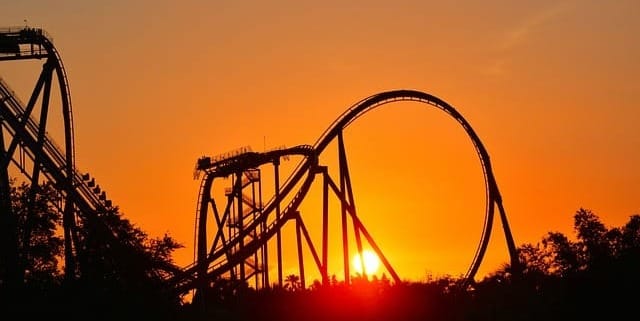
<point x="325" y="226"/>
<point x="8" y="227"/>
<point x="345" y="183"/>
<point x="300" y="256"/>
<point x="345" y="235"/>
<point x="276" y="166"/>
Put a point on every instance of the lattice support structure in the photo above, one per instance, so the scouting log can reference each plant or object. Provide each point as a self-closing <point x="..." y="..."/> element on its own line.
<point x="228" y="253"/>
<point x="237" y="247"/>
<point x="27" y="149"/>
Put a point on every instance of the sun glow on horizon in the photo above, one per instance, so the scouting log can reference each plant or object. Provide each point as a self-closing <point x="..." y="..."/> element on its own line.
<point x="371" y="262"/>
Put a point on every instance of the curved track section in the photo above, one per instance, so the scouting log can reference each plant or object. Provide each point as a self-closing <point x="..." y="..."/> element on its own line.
<point x="226" y="167"/>
<point x="492" y="193"/>
<point x="83" y="199"/>
<point x="40" y="46"/>
<point x="223" y="256"/>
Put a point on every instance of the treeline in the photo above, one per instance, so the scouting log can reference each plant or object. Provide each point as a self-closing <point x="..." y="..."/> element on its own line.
<point x="594" y="274"/>
<point x="122" y="280"/>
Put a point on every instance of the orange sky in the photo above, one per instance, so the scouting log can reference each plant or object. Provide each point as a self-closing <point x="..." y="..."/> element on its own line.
<point x="551" y="88"/>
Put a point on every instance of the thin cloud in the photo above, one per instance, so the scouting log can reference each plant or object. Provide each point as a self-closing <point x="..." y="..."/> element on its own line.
<point x="520" y="33"/>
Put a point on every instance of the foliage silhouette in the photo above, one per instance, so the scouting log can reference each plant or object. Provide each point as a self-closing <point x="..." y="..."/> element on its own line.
<point x="563" y="279"/>
<point x="594" y="273"/>
<point x="292" y="282"/>
<point x="112" y="285"/>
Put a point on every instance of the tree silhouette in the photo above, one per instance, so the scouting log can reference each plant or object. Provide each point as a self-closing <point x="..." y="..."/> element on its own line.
<point x="118" y="279"/>
<point x="38" y="243"/>
<point x="292" y="282"/>
<point x="564" y="278"/>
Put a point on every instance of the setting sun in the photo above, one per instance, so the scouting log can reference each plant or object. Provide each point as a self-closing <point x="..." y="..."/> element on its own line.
<point x="370" y="260"/>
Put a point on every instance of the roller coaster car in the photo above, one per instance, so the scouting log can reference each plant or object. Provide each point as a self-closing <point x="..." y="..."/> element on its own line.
<point x="97" y="189"/>
<point x="85" y="177"/>
<point x="103" y="196"/>
<point x="30" y="32"/>
<point x="92" y="182"/>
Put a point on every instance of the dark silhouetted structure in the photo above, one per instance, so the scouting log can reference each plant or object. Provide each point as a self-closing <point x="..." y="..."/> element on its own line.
<point x="236" y="248"/>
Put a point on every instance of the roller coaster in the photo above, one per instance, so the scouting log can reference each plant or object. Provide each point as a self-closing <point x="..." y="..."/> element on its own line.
<point x="231" y="240"/>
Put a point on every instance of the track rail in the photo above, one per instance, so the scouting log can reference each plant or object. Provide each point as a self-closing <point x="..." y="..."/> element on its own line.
<point x="492" y="193"/>
<point x="83" y="200"/>
<point x="307" y="165"/>
<point x="59" y="163"/>
<point x="80" y="193"/>
<point x="40" y="45"/>
<point x="187" y="280"/>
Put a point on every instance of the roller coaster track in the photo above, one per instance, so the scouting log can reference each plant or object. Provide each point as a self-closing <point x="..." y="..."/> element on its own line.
<point x="225" y="261"/>
<point x="185" y="280"/>
<point x="492" y="192"/>
<point x="83" y="200"/>
<point x="51" y="156"/>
